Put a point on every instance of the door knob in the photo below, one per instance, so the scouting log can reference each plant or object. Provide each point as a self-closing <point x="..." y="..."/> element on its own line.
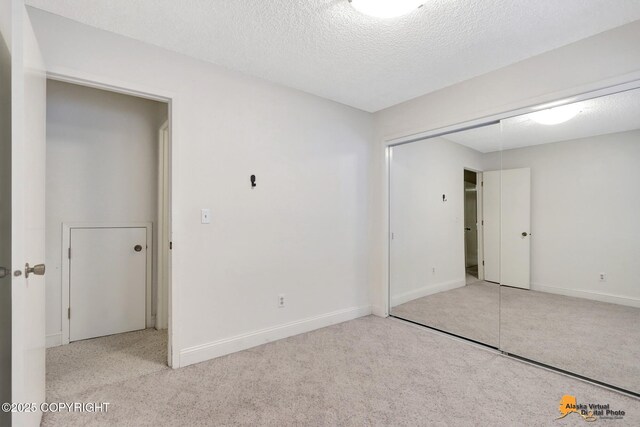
<point x="524" y="234"/>
<point x="3" y="272"/>
<point x="37" y="269"/>
<point x="137" y="248"/>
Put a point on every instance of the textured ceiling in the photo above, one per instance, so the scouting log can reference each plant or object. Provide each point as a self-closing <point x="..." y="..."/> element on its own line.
<point x="619" y="112"/>
<point x="326" y="48"/>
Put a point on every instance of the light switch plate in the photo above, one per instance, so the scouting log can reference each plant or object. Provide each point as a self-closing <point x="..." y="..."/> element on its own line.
<point x="205" y="216"/>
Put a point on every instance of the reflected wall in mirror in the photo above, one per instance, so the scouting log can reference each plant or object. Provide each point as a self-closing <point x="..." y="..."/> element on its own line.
<point x="438" y="243"/>
<point x="582" y="311"/>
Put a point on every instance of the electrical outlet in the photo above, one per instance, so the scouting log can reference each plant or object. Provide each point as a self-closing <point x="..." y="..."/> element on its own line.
<point x="281" y="301"/>
<point x="602" y="277"/>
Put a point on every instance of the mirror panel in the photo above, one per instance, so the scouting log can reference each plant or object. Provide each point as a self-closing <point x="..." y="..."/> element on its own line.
<point x="436" y="245"/>
<point x="571" y="291"/>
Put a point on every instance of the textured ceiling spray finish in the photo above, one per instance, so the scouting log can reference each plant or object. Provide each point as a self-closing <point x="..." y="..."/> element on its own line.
<point x="327" y="48"/>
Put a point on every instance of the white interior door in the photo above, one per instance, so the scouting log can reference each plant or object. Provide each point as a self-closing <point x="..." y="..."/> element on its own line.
<point x="516" y="224"/>
<point x="507" y="222"/>
<point x="28" y="151"/>
<point x="491" y="227"/>
<point x="107" y="281"/>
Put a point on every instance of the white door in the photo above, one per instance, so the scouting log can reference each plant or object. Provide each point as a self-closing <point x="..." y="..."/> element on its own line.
<point x="516" y="224"/>
<point x="491" y="227"/>
<point x="507" y="219"/>
<point x="28" y="119"/>
<point x="107" y="281"/>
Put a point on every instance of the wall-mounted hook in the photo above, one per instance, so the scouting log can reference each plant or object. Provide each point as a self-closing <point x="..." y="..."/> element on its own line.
<point x="253" y="181"/>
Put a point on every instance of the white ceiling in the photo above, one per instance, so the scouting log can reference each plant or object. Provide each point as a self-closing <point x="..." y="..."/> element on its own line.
<point x="326" y="48"/>
<point x="619" y="112"/>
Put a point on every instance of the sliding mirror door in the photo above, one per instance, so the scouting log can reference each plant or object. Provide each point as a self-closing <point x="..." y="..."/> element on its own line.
<point x="571" y="225"/>
<point x="443" y="228"/>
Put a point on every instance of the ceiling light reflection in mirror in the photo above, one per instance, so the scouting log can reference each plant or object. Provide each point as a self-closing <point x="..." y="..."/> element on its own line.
<point x="386" y="9"/>
<point x="614" y="113"/>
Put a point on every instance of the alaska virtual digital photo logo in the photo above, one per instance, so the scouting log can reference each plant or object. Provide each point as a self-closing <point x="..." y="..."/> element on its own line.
<point x="589" y="412"/>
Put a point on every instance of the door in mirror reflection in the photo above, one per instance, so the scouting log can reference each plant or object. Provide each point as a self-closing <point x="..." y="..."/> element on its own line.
<point x="582" y="311"/>
<point x="437" y="276"/>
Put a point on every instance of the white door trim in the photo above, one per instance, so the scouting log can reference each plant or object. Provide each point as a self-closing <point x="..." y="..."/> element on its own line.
<point x="597" y="89"/>
<point x="66" y="284"/>
<point x="163" y="231"/>
<point x="158" y="94"/>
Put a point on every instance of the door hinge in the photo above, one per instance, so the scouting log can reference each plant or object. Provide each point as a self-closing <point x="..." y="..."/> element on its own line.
<point x="69" y="253"/>
<point x="482" y="262"/>
<point x="170" y="245"/>
<point x="69" y="313"/>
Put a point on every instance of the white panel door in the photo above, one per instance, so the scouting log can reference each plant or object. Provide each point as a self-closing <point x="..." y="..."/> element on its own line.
<point x="491" y="227"/>
<point x="107" y="281"/>
<point x="28" y="153"/>
<point x="516" y="224"/>
<point x="507" y="222"/>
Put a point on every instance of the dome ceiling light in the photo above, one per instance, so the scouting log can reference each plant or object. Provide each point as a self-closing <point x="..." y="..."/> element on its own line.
<point x="386" y="8"/>
<point x="556" y="115"/>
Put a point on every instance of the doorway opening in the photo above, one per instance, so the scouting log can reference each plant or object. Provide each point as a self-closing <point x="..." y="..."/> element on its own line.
<point x="108" y="222"/>
<point x="472" y="226"/>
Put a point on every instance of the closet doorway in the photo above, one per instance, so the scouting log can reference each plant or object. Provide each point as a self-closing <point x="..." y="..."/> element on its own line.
<point x="473" y="226"/>
<point x="108" y="228"/>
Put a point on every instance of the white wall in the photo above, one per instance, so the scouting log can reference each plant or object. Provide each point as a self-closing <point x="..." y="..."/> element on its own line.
<point x="302" y="232"/>
<point x="102" y="151"/>
<point x="428" y="233"/>
<point x="604" y="59"/>
<point x="585" y="202"/>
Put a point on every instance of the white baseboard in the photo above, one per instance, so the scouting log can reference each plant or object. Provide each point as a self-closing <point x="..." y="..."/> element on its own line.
<point x="426" y="290"/>
<point x="208" y="351"/>
<point x="53" y="340"/>
<point x="595" y="296"/>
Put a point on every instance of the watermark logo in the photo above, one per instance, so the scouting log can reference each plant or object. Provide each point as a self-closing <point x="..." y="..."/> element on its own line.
<point x="589" y="412"/>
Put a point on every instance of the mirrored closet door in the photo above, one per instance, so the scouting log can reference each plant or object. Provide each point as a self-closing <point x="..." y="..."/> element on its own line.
<point x="443" y="226"/>
<point x="575" y="305"/>
<point x="524" y="235"/>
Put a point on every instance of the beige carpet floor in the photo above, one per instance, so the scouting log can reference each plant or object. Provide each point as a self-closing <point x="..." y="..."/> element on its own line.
<point x="596" y="339"/>
<point x="84" y="365"/>
<point x="369" y="371"/>
<point x="591" y="338"/>
<point x="471" y="311"/>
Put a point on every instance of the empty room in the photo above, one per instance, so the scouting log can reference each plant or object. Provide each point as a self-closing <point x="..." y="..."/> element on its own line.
<point x="323" y="213"/>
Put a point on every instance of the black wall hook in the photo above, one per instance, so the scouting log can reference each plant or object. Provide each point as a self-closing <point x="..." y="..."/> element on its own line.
<point x="253" y="181"/>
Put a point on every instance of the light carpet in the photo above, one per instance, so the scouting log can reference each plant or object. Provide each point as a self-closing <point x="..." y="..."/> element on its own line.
<point x="591" y="338"/>
<point x="369" y="371"/>
<point x="471" y="311"/>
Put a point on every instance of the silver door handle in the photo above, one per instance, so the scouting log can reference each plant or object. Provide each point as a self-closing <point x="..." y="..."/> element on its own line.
<point x="4" y="272"/>
<point x="37" y="269"/>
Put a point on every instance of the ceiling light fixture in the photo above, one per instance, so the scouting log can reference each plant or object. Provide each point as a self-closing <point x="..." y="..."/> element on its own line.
<point x="386" y="8"/>
<point x="556" y="115"/>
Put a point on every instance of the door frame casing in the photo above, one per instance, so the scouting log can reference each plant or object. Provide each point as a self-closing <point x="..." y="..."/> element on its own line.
<point x="569" y="96"/>
<point x="66" y="270"/>
<point x="154" y="93"/>
<point x="162" y="268"/>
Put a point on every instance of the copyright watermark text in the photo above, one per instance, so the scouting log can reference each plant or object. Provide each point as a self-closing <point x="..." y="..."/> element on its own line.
<point x="56" y="407"/>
